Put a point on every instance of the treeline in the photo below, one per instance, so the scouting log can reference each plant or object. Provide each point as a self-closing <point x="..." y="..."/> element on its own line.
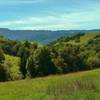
<point x="57" y="58"/>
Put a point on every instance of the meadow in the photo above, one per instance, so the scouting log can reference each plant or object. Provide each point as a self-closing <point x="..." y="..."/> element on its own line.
<point x="75" y="86"/>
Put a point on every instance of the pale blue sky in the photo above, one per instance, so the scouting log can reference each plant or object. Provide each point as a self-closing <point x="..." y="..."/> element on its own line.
<point x="50" y="14"/>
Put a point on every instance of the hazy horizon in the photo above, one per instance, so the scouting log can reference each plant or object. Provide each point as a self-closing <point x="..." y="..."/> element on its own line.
<point x="45" y="29"/>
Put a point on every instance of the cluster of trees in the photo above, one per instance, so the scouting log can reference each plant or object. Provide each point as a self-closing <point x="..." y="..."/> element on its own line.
<point x="38" y="60"/>
<point x="4" y="75"/>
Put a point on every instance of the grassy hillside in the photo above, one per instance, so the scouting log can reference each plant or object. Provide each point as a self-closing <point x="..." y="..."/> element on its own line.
<point x="76" y="86"/>
<point x="87" y="37"/>
<point x="77" y="39"/>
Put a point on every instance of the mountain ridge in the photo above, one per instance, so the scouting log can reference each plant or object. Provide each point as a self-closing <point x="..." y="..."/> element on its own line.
<point x="42" y="36"/>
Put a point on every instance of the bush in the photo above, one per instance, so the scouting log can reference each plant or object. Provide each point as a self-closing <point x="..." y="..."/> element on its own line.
<point x="4" y="73"/>
<point x="93" y="62"/>
<point x="13" y="64"/>
<point x="2" y="57"/>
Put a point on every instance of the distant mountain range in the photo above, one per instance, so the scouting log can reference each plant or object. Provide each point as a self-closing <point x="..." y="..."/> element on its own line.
<point x="42" y="36"/>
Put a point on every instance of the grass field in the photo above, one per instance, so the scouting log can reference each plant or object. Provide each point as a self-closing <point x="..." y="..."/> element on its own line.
<point x="76" y="86"/>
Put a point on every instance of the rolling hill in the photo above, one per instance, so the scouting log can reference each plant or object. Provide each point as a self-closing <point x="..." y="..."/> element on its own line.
<point x="78" y="39"/>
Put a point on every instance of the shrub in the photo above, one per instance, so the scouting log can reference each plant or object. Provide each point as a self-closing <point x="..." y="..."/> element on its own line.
<point x="2" y="57"/>
<point x="4" y="73"/>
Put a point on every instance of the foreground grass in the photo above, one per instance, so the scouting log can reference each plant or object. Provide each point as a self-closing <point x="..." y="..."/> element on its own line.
<point x="84" y="39"/>
<point x="77" y="86"/>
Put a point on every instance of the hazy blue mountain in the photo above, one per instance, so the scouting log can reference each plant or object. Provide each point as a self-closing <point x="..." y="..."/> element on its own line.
<point x="42" y="36"/>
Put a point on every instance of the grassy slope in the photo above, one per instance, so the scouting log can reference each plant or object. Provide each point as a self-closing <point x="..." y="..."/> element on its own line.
<point x="84" y="38"/>
<point x="76" y="86"/>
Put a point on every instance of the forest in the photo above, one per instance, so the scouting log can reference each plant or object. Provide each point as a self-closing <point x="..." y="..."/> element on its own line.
<point x="25" y="59"/>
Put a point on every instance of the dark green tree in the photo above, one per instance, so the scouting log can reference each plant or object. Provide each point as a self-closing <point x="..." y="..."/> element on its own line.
<point x="2" y="57"/>
<point x="4" y="73"/>
<point x="24" y="53"/>
<point x="40" y="63"/>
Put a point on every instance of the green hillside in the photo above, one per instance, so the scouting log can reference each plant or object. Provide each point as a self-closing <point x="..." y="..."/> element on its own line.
<point x="78" y="39"/>
<point x="89" y="36"/>
<point x="76" y="86"/>
<point x="68" y="54"/>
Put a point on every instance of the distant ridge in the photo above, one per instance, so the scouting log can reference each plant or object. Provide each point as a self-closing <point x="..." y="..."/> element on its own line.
<point x="42" y="36"/>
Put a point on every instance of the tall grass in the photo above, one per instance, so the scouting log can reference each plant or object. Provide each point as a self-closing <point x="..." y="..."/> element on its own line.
<point x="76" y="86"/>
<point x="64" y="91"/>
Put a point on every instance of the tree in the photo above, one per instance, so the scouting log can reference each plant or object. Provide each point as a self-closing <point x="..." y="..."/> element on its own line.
<point x="40" y="63"/>
<point x="2" y="57"/>
<point x="4" y="73"/>
<point x="32" y="67"/>
<point x="24" y="53"/>
<point x="93" y="62"/>
<point x="62" y="67"/>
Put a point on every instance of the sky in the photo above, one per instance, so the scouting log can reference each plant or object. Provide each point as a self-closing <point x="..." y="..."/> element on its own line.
<point x="50" y="14"/>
